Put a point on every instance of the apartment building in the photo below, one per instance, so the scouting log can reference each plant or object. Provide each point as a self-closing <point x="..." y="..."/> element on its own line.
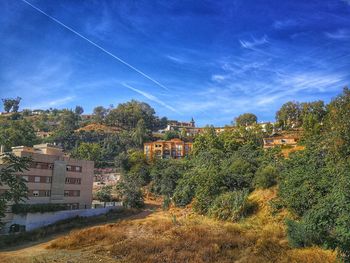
<point x="174" y="148"/>
<point x="55" y="178"/>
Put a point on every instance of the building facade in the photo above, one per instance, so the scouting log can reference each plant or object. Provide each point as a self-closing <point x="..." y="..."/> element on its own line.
<point x="174" y="148"/>
<point x="54" y="178"/>
<point x="273" y="141"/>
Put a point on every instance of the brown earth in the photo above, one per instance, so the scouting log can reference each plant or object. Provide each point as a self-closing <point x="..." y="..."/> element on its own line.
<point x="177" y="235"/>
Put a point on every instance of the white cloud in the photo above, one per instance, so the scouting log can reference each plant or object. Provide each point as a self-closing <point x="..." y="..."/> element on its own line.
<point x="254" y="42"/>
<point x="176" y="59"/>
<point x="340" y="34"/>
<point x="283" y="24"/>
<point x="52" y="103"/>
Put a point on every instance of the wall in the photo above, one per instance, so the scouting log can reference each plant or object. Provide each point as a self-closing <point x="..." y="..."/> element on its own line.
<point x="37" y="220"/>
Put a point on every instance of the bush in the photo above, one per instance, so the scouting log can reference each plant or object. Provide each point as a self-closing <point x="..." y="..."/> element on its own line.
<point x="185" y="191"/>
<point x="230" y="206"/>
<point x="265" y="177"/>
<point x="297" y="234"/>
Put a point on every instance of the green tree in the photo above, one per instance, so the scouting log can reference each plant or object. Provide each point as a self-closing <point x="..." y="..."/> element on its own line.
<point x="17" y="188"/>
<point x="78" y="110"/>
<point x="88" y="151"/>
<point x="168" y="135"/>
<point x="128" y="114"/>
<point x="246" y="119"/>
<point x="99" y="114"/>
<point x="289" y="115"/>
<point x="17" y="133"/>
<point x="140" y="133"/>
<point x="15" y="104"/>
<point x="105" y="194"/>
<point x="7" y="104"/>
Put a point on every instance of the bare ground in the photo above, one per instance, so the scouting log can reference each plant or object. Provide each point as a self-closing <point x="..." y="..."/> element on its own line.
<point x="177" y="235"/>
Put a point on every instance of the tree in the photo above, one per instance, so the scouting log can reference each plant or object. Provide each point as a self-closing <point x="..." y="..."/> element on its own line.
<point x="15" y="104"/>
<point x="78" y="110"/>
<point x="246" y="119"/>
<point x="88" y="151"/>
<point x="64" y="134"/>
<point x="337" y="125"/>
<point x="17" y="188"/>
<point x="17" y="133"/>
<point x="99" y="114"/>
<point x="10" y="103"/>
<point x="7" y="104"/>
<point x="289" y="115"/>
<point x="269" y="128"/>
<point x="128" y="114"/>
<point x="105" y="194"/>
<point x="140" y="133"/>
<point x="168" y="135"/>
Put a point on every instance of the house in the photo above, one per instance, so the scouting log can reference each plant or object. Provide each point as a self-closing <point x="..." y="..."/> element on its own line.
<point x="281" y="140"/>
<point x="43" y="134"/>
<point x="174" y="148"/>
<point x="54" y="178"/>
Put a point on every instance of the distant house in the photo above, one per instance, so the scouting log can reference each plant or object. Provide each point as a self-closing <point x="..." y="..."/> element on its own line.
<point x="174" y="148"/>
<point x="43" y="134"/>
<point x="281" y="140"/>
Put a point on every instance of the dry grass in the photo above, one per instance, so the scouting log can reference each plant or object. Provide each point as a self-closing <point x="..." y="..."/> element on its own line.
<point x="181" y="236"/>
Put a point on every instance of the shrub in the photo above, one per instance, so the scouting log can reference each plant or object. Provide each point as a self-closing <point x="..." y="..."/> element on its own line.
<point x="265" y="177"/>
<point x="297" y="234"/>
<point x="230" y="206"/>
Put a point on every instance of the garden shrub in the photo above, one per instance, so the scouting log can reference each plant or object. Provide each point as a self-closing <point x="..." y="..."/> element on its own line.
<point x="230" y="206"/>
<point x="265" y="177"/>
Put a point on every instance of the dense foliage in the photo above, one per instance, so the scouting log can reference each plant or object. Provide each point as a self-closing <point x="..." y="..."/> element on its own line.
<point x="17" y="189"/>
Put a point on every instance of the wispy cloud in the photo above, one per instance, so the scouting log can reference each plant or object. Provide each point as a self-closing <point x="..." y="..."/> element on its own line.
<point x="176" y="59"/>
<point x="283" y="24"/>
<point x="254" y="42"/>
<point x="340" y="34"/>
<point x="151" y="97"/>
<point x="52" y="103"/>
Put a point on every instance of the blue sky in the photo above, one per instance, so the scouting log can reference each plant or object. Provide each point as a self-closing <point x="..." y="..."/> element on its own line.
<point x="212" y="60"/>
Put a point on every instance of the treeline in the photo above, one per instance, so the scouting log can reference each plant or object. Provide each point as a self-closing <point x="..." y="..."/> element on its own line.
<point x="135" y="121"/>
<point x="313" y="184"/>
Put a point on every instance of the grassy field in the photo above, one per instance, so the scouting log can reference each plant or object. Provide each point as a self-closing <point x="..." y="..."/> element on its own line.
<point x="177" y="235"/>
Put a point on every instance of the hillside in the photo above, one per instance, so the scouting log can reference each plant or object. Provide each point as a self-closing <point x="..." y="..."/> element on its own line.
<point x="177" y="235"/>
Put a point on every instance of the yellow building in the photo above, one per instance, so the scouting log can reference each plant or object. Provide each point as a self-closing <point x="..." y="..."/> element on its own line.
<point x="174" y="148"/>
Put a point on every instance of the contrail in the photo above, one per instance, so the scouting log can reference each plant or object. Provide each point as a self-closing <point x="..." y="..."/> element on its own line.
<point x="96" y="45"/>
<point x="150" y="97"/>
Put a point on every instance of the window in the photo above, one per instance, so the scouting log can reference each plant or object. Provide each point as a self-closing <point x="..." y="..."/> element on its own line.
<point x="71" y="193"/>
<point x="48" y="179"/>
<point x="73" y="168"/>
<point x="25" y="177"/>
<point x="35" y="193"/>
<point x="37" y="179"/>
